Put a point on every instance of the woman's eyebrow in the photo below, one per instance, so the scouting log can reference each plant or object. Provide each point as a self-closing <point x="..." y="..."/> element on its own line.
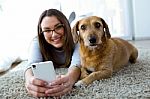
<point x="56" y="24"/>
<point x="47" y="28"/>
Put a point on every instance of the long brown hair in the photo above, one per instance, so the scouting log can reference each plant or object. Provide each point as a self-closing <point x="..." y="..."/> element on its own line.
<point x="46" y="48"/>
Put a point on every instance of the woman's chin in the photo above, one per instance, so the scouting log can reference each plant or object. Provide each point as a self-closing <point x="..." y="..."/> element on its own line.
<point x="58" y="45"/>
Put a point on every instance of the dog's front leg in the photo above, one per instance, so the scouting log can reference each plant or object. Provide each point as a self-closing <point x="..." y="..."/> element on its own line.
<point x="102" y="74"/>
<point x="84" y="73"/>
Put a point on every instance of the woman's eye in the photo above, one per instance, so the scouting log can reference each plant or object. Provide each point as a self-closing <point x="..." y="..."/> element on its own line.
<point x="59" y="26"/>
<point x="83" y="27"/>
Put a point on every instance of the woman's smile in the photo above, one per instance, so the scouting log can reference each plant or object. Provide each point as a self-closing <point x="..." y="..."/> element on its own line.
<point x="57" y="40"/>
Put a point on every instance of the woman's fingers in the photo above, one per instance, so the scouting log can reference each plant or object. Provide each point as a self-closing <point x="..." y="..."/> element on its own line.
<point x="37" y="82"/>
<point x="58" y="76"/>
<point x="60" y="80"/>
<point x="37" y="88"/>
<point x="55" y="89"/>
<point x="60" y="93"/>
<point x="37" y="94"/>
<point x="59" y="90"/>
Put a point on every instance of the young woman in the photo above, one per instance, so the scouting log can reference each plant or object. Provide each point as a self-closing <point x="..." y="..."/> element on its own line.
<point x="53" y="43"/>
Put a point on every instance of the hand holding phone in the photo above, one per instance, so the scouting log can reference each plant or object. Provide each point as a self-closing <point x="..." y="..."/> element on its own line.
<point x="44" y="71"/>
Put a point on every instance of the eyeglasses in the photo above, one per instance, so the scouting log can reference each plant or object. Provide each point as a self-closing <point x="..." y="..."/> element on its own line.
<point x="57" y="29"/>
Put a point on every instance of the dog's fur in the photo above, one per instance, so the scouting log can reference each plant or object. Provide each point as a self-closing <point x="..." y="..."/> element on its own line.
<point x="100" y="54"/>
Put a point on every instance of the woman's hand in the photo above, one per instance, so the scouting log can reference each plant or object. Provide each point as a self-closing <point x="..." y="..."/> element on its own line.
<point x="34" y="86"/>
<point x="62" y="85"/>
<point x="57" y="88"/>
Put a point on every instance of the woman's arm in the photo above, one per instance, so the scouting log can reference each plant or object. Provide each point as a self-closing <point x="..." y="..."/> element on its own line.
<point x="76" y="61"/>
<point x="66" y="82"/>
<point x="74" y="74"/>
<point x="34" y="86"/>
<point x="34" y="54"/>
<point x="74" y="69"/>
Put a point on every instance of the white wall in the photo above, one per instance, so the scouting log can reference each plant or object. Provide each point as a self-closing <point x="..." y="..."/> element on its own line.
<point x="18" y="24"/>
<point x="18" y="19"/>
<point x="141" y="18"/>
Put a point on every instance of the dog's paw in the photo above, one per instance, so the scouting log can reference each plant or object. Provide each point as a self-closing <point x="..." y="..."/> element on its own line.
<point x="79" y="83"/>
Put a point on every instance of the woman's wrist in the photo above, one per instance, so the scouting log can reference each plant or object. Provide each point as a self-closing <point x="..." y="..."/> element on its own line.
<point x="74" y="74"/>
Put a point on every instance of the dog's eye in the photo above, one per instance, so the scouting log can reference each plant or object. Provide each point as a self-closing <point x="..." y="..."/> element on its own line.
<point x="97" y="25"/>
<point x="83" y="27"/>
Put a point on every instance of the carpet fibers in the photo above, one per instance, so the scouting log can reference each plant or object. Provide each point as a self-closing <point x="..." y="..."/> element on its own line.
<point x="132" y="82"/>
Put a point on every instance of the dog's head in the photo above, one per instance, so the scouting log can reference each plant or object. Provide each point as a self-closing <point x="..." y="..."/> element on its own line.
<point x="92" y="31"/>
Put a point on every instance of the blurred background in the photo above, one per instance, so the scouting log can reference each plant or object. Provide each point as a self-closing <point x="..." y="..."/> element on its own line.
<point x="128" y="19"/>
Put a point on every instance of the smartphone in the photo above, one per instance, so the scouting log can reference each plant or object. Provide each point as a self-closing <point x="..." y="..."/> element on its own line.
<point x="44" y="71"/>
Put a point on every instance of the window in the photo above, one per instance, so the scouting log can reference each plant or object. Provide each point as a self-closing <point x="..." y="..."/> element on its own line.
<point x="114" y="12"/>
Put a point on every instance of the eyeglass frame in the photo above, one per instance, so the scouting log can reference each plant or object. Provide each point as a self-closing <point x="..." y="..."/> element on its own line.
<point x="59" y="26"/>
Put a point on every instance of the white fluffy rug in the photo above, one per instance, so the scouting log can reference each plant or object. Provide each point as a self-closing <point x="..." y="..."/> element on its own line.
<point x="132" y="82"/>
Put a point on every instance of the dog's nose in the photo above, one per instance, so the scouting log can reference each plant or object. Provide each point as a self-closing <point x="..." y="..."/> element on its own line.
<point x="92" y="40"/>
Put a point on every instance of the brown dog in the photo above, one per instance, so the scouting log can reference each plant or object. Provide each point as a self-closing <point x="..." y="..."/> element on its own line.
<point x="100" y="54"/>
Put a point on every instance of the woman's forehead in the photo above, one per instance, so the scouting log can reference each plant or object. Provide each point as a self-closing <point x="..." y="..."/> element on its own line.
<point x="50" y="21"/>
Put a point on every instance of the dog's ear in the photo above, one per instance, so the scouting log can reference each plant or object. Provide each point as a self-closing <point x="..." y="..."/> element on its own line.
<point x="106" y="29"/>
<point x="74" y="32"/>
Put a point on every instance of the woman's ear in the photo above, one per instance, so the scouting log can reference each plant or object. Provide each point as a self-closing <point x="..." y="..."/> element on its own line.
<point x="74" y="32"/>
<point x="106" y="29"/>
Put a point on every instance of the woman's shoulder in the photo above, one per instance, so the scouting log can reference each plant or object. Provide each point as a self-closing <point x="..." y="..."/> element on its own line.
<point x="34" y="41"/>
<point x="34" y="45"/>
<point x="34" y="54"/>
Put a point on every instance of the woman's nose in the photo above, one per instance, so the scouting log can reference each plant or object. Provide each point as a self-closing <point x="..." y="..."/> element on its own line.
<point x="54" y="33"/>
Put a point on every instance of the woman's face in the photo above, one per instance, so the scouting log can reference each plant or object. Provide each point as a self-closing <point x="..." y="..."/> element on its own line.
<point x="53" y="31"/>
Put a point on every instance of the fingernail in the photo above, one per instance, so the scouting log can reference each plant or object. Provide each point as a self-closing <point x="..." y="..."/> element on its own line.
<point x="49" y="84"/>
<point x="58" y="76"/>
<point x="52" y="83"/>
<point x="45" y="83"/>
